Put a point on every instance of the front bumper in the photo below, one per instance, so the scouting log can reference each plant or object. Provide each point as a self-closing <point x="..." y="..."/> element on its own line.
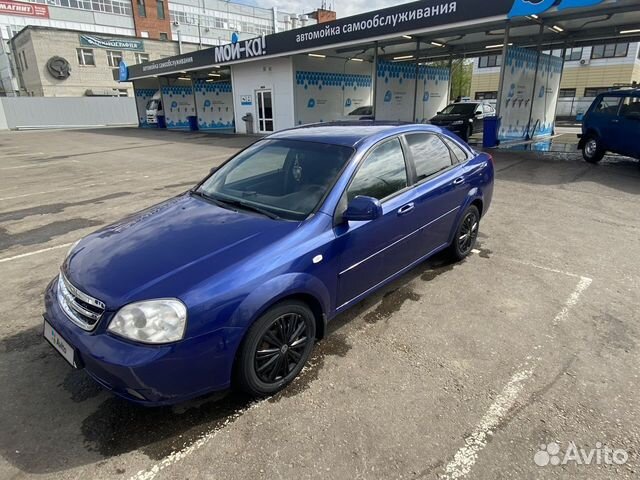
<point x="149" y="374"/>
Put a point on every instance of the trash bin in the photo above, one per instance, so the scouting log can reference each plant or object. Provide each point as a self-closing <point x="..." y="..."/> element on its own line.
<point x="248" y="122"/>
<point x="490" y="132"/>
<point x="193" y="122"/>
<point x="162" y="122"/>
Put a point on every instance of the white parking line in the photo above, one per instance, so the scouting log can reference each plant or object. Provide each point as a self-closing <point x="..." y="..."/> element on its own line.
<point x="35" y="252"/>
<point x="466" y="457"/>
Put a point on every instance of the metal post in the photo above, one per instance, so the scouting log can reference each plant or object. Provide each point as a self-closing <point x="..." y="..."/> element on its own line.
<point x="555" y="113"/>
<point x="505" y="46"/>
<point x="449" y="90"/>
<point x="179" y="42"/>
<point x="375" y="81"/>
<point x="415" y="89"/>
<point x="535" y="80"/>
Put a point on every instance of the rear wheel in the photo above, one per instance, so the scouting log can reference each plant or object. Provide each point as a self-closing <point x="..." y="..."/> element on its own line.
<point x="276" y="348"/>
<point x="592" y="150"/>
<point x="466" y="234"/>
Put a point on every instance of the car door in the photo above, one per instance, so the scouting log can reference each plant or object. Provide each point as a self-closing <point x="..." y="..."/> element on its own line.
<point x="478" y="119"/>
<point x="604" y="118"/>
<point x="372" y="251"/>
<point x="629" y="127"/>
<point x="442" y="185"/>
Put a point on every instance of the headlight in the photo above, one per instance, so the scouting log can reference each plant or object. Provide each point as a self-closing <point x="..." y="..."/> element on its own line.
<point x="457" y="122"/>
<point x="152" y="321"/>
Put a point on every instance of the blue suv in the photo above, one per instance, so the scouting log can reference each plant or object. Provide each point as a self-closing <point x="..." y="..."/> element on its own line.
<point x="612" y="124"/>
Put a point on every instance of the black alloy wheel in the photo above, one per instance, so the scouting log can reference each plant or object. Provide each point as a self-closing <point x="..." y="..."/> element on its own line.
<point x="276" y="348"/>
<point x="466" y="234"/>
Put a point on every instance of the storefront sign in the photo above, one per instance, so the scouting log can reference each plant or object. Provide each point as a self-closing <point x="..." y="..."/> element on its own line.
<point x="26" y="9"/>
<point x="392" y="21"/>
<point x="113" y="43"/>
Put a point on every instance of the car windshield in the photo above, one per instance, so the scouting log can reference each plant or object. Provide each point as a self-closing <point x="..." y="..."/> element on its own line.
<point x="278" y="178"/>
<point x="459" y="109"/>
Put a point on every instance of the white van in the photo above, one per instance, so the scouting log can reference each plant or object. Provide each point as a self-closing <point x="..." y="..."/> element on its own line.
<point x="154" y="109"/>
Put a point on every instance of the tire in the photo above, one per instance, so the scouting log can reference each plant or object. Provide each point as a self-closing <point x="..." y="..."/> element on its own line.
<point x="592" y="150"/>
<point x="261" y="374"/>
<point x="466" y="234"/>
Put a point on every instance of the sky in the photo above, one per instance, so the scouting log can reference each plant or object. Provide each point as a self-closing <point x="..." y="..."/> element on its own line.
<point x="344" y="8"/>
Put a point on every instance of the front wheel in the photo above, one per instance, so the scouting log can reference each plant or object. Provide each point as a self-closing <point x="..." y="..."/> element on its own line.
<point x="466" y="233"/>
<point x="275" y="349"/>
<point x="592" y="150"/>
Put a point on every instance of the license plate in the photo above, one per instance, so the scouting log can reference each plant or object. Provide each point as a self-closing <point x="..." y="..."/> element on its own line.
<point x="60" y="344"/>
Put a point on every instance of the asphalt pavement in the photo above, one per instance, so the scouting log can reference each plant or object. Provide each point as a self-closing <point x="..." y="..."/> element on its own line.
<point x="501" y="366"/>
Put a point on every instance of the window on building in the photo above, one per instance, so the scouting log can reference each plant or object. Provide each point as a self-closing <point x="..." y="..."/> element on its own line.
<point x="161" y="9"/>
<point x="19" y="63"/>
<point x="142" y="9"/>
<point x="595" y="91"/>
<point x="382" y="173"/>
<point x="114" y="58"/>
<point x="430" y="154"/>
<point x="610" y="50"/>
<point x="489" y="61"/>
<point x="85" y="57"/>
<point x="492" y="95"/>
<point x="142" y="57"/>
<point x="573" y="54"/>
<point x="567" y="92"/>
<point x="163" y="36"/>
<point x="24" y="60"/>
<point x="144" y="34"/>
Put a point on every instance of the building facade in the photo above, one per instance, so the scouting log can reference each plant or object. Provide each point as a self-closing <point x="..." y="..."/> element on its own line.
<point x="587" y="72"/>
<point x="51" y="62"/>
<point x="184" y="22"/>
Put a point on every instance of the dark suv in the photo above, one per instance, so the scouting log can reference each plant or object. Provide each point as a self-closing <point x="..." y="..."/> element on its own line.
<point x="612" y="124"/>
<point x="464" y="118"/>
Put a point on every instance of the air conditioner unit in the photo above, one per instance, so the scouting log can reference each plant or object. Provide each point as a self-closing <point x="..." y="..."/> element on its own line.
<point x="176" y="23"/>
<point x="585" y="61"/>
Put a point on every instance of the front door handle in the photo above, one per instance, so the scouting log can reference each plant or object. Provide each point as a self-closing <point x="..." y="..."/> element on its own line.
<point x="615" y="120"/>
<point x="458" y="181"/>
<point x="406" y="208"/>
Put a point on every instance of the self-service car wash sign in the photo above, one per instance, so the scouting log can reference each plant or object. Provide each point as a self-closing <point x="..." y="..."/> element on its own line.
<point x="24" y="9"/>
<point x="393" y="21"/>
<point x="112" y="43"/>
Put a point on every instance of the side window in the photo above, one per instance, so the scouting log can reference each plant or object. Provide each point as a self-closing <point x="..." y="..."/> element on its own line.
<point x="631" y="107"/>
<point x="458" y="153"/>
<point x="430" y="154"/>
<point x="608" y="106"/>
<point x="382" y="174"/>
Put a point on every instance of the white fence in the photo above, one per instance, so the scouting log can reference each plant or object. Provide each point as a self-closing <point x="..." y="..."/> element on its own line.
<point x="60" y="112"/>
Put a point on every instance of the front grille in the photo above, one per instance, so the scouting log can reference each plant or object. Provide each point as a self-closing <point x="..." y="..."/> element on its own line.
<point x="82" y="309"/>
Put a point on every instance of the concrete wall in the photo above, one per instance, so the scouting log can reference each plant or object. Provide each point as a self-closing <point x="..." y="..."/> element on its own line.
<point x="39" y="112"/>
<point x="274" y="74"/>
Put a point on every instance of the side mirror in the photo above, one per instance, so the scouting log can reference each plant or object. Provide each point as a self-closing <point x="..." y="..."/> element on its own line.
<point x="213" y="170"/>
<point x="439" y="112"/>
<point x="362" y="208"/>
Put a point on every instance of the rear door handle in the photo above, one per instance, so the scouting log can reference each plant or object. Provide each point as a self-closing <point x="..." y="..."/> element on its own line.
<point x="406" y="208"/>
<point x="458" y="181"/>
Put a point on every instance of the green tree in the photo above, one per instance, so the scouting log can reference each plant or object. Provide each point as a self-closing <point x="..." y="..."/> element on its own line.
<point x="461" y="72"/>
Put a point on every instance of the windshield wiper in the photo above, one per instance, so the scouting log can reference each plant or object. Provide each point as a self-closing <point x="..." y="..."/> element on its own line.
<point x="247" y="206"/>
<point x="200" y="193"/>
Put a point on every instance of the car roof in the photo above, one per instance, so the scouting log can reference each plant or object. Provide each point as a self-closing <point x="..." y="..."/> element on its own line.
<point x="621" y="92"/>
<point x="349" y="134"/>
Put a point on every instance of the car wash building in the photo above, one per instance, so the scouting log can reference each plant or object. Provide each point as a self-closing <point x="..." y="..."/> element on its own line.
<point x="391" y="64"/>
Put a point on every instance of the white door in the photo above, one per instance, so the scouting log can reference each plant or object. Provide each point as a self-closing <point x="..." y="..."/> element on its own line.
<point x="265" y="111"/>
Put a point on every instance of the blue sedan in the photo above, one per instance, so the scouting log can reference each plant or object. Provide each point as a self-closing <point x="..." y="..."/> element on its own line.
<point x="232" y="282"/>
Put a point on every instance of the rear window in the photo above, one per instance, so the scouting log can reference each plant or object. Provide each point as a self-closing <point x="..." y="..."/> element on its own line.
<point x="459" y="155"/>
<point x="430" y="154"/>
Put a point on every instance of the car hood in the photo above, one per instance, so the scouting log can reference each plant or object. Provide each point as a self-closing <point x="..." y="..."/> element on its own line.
<point x="449" y="118"/>
<point x="164" y="250"/>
